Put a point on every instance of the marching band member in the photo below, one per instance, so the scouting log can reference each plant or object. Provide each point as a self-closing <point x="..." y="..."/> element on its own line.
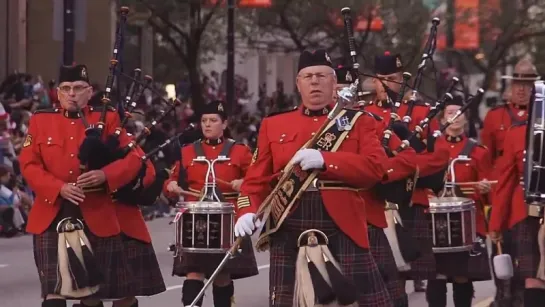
<point x="100" y="263"/>
<point x="462" y="268"/>
<point x="498" y="120"/>
<point x="350" y="158"/>
<point x="512" y="221"/>
<point x="389" y="71"/>
<point x="196" y="267"/>
<point x="399" y="167"/>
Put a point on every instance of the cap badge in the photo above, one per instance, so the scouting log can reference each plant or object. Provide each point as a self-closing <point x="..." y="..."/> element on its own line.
<point x="220" y="107"/>
<point x="398" y="62"/>
<point x="84" y="72"/>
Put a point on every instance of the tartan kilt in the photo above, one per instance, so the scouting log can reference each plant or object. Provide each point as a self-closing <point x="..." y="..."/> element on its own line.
<point x="356" y="263"/>
<point x="474" y="266"/>
<point x="112" y="256"/>
<point x="242" y="266"/>
<point x="521" y="243"/>
<point x="147" y="279"/>
<point x="419" y="226"/>
<point x="384" y="258"/>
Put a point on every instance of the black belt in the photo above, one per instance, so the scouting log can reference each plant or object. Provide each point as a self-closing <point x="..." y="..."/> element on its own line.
<point x="317" y="185"/>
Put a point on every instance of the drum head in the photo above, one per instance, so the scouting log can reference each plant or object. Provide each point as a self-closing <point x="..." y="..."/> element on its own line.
<point x="203" y="204"/>
<point x="451" y="204"/>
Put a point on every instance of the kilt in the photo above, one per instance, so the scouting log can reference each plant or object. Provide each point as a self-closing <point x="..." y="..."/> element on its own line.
<point x="419" y="226"/>
<point x="521" y="243"/>
<point x="356" y="263"/>
<point x="463" y="264"/>
<point x="117" y="259"/>
<point x="384" y="258"/>
<point x="147" y="279"/>
<point x="242" y="266"/>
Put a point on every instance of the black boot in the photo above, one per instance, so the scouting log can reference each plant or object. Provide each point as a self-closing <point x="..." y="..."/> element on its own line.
<point x="54" y="303"/>
<point x="436" y="293"/>
<point x="534" y="297"/>
<point x="223" y="295"/>
<point x="190" y="290"/>
<point x="462" y="294"/>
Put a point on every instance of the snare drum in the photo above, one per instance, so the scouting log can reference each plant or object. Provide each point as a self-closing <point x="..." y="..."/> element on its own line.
<point x="204" y="227"/>
<point x="453" y="224"/>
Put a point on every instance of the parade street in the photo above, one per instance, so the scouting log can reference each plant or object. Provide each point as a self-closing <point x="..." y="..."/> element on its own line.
<point x="19" y="286"/>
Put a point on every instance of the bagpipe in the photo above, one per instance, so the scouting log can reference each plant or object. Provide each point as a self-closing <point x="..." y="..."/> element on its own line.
<point x="429" y="50"/>
<point x="398" y="192"/>
<point x="99" y="149"/>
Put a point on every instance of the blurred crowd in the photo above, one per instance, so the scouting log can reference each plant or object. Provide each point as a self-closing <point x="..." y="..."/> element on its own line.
<point x="21" y="94"/>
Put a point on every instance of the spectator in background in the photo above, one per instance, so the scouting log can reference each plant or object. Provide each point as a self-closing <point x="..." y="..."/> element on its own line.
<point x="13" y="204"/>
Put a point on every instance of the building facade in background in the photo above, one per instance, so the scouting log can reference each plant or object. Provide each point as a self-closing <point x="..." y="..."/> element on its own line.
<point x="31" y="36"/>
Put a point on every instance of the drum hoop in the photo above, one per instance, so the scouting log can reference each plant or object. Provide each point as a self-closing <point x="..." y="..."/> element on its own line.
<point x="451" y="204"/>
<point x="206" y="206"/>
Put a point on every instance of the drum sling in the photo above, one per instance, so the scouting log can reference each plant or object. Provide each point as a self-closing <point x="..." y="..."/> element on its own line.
<point x="299" y="180"/>
<point x="78" y="274"/>
<point x="225" y="151"/>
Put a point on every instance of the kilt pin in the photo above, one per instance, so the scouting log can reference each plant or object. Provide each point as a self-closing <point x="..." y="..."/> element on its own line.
<point x="356" y="263"/>
<point x="193" y="178"/>
<point x="512" y="217"/>
<point x="332" y="205"/>
<point x="117" y="232"/>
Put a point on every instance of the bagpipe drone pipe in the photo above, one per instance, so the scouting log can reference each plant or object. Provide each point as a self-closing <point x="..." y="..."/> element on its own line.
<point x="398" y="192"/>
<point x="436" y="181"/>
<point x="93" y="152"/>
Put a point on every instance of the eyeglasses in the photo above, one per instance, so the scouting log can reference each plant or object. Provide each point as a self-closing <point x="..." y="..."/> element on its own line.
<point x="78" y="89"/>
<point x="319" y="76"/>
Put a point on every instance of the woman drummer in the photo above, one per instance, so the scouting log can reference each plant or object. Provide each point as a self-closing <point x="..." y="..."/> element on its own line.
<point x="462" y="268"/>
<point x="194" y="266"/>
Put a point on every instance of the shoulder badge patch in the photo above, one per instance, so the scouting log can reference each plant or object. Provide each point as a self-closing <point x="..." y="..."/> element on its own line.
<point x="28" y="141"/>
<point x="254" y="157"/>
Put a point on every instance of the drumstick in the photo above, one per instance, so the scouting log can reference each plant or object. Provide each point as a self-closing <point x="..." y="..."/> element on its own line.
<point x="498" y="245"/>
<point x="188" y="193"/>
<point x="223" y="181"/>
<point x="475" y="182"/>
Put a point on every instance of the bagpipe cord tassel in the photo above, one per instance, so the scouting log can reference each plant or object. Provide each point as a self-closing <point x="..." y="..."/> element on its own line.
<point x="541" y="241"/>
<point x="311" y="282"/>
<point x="344" y="288"/>
<point x="77" y="276"/>
<point x="391" y="236"/>
<point x="94" y="274"/>
<point x="74" y="280"/>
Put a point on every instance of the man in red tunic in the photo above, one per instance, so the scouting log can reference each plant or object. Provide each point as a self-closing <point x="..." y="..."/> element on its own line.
<point x="346" y="158"/>
<point x="389" y="71"/>
<point x="498" y="120"/>
<point x="81" y="248"/>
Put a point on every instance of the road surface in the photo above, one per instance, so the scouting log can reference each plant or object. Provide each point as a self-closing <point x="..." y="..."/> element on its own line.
<point x="19" y="286"/>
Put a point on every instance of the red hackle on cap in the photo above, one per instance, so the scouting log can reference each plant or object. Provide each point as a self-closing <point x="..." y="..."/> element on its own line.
<point x="387" y="53"/>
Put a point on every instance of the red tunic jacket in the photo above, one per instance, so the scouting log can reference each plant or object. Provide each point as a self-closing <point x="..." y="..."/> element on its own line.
<point x="49" y="159"/>
<point x="509" y="206"/>
<point x="496" y="123"/>
<point x="360" y="162"/>
<point x="477" y="169"/>
<point x="240" y="155"/>
<point x="398" y="167"/>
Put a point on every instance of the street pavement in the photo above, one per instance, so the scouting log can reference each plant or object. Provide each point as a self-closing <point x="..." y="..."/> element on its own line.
<point x="19" y="286"/>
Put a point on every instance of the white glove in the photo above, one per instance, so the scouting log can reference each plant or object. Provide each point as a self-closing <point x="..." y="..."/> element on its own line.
<point x="309" y="159"/>
<point x="245" y="225"/>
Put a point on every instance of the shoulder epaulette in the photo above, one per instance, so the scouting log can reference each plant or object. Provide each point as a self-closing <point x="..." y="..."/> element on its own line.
<point x="99" y="108"/>
<point x="47" y="111"/>
<point x="282" y="111"/>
